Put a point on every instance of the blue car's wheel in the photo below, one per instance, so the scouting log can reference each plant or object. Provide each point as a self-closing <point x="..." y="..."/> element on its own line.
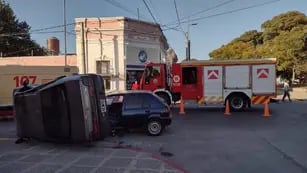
<point x="154" y="127"/>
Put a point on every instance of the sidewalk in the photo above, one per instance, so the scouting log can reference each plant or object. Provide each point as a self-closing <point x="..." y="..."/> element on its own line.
<point x="103" y="157"/>
<point x="297" y="94"/>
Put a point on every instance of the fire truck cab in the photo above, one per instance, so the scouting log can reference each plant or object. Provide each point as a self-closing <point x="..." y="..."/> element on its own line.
<point x="206" y="82"/>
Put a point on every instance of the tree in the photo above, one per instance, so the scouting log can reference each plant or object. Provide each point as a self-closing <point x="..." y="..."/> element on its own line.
<point x="282" y="38"/>
<point x="15" y="37"/>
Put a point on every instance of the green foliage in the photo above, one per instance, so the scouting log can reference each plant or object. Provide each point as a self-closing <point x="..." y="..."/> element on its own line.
<point x="282" y="38"/>
<point x="15" y="36"/>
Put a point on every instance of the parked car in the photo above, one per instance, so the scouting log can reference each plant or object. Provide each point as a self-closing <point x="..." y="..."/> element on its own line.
<point x="136" y="109"/>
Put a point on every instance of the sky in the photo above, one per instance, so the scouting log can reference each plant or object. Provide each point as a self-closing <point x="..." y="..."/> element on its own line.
<point x="215" y="22"/>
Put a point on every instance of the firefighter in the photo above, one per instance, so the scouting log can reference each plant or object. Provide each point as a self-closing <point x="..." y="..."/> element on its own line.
<point x="135" y="85"/>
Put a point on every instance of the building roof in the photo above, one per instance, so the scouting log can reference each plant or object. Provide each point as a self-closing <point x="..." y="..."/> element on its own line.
<point x="230" y="62"/>
<point x="118" y="18"/>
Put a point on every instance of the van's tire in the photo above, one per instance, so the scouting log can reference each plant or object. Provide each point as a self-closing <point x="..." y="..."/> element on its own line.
<point x="237" y="102"/>
<point x="154" y="127"/>
<point x="165" y="97"/>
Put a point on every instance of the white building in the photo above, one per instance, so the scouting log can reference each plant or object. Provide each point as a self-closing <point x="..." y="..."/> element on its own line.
<point x="118" y="48"/>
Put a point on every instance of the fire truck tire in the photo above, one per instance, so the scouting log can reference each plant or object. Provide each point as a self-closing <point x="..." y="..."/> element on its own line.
<point x="237" y="102"/>
<point x="165" y="97"/>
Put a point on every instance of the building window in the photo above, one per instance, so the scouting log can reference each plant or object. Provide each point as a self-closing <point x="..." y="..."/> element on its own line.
<point x="103" y="67"/>
<point x="107" y="82"/>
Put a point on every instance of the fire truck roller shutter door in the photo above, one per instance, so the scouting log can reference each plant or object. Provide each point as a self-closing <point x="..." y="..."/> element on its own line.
<point x="213" y="84"/>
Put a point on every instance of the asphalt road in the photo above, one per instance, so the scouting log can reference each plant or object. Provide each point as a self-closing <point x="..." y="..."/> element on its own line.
<point x="203" y="140"/>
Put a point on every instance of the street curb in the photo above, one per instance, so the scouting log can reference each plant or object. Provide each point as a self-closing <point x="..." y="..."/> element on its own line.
<point x="273" y="100"/>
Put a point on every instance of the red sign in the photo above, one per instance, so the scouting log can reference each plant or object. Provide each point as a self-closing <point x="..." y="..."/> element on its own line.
<point x="213" y="74"/>
<point x="263" y="73"/>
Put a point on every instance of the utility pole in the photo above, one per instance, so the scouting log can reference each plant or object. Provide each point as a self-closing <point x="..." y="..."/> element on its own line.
<point x="188" y="46"/>
<point x="188" y="42"/>
<point x="83" y="47"/>
<point x="65" y="43"/>
<point x="138" y="13"/>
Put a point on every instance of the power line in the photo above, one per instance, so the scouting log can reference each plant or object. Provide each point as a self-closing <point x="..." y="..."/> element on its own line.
<point x="51" y="27"/>
<point x="167" y="26"/>
<point x="58" y="26"/>
<point x="205" y="10"/>
<point x="154" y="9"/>
<point x="228" y="12"/>
<point x="49" y="32"/>
<point x="71" y="33"/>
<point x="149" y="34"/>
<point x="177" y="14"/>
<point x="211" y="8"/>
<point x="23" y="50"/>
<point x="22" y="34"/>
<point x="118" y="5"/>
<point x="171" y="28"/>
<point x="150" y="12"/>
<point x="37" y="31"/>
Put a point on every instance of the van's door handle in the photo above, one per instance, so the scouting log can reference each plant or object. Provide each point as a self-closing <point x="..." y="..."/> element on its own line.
<point x="147" y="111"/>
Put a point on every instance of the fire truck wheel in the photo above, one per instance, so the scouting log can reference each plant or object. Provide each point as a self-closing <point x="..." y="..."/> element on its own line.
<point x="154" y="127"/>
<point x="237" y="102"/>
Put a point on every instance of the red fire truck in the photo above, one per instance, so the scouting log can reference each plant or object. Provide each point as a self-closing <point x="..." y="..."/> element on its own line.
<point x="242" y="82"/>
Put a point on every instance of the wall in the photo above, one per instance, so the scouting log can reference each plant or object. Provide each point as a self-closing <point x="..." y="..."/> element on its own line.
<point x="39" y="60"/>
<point x="117" y="40"/>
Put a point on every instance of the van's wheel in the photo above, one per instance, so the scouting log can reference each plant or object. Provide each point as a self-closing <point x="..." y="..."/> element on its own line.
<point x="165" y="97"/>
<point x="154" y="127"/>
<point x="237" y="102"/>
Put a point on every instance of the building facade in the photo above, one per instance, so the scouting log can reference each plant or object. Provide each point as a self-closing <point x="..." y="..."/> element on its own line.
<point x="118" y="48"/>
